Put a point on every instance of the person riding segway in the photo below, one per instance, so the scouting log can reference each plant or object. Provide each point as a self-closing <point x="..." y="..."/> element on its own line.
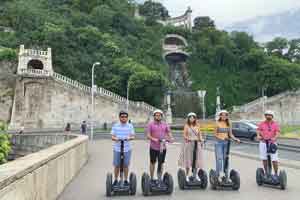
<point x="122" y="133"/>
<point x="268" y="132"/>
<point x="158" y="132"/>
<point x="191" y="157"/>
<point x="221" y="178"/>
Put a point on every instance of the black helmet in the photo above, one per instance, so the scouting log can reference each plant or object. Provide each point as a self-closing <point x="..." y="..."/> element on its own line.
<point x="122" y="112"/>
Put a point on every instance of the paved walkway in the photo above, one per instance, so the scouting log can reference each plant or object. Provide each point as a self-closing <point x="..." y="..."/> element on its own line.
<point x="90" y="182"/>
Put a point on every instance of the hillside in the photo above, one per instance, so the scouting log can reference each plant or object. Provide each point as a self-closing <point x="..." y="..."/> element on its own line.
<point x="81" y="32"/>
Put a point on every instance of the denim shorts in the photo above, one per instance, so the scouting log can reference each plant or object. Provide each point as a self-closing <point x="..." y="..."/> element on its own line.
<point x="117" y="159"/>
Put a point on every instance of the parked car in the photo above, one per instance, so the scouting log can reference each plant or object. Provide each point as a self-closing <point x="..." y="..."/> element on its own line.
<point x="244" y="129"/>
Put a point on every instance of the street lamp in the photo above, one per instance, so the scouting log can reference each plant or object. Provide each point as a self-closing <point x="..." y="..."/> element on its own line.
<point x="201" y="94"/>
<point x="127" y="99"/>
<point x="94" y="87"/>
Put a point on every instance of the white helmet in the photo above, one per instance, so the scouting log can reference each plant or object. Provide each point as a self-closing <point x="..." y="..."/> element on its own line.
<point x="158" y="111"/>
<point x="269" y="112"/>
<point x="192" y="114"/>
<point x="223" y="111"/>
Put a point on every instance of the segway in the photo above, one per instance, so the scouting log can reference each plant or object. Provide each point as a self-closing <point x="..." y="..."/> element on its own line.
<point x="230" y="180"/>
<point x="267" y="177"/>
<point x="120" y="188"/>
<point x="193" y="182"/>
<point x="163" y="184"/>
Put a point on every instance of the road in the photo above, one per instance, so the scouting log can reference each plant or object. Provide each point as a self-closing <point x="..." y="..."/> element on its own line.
<point x="246" y="148"/>
<point x="90" y="182"/>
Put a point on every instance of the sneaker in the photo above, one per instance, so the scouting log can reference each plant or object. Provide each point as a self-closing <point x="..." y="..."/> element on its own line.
<point x="220" y="178"/>
<point x="126" y="183"/>
<point x="187" y="178"/>
<point x="115" y="183"/>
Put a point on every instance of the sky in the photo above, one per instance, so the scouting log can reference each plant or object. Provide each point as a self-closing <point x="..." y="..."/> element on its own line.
<point x="226" y="12"/>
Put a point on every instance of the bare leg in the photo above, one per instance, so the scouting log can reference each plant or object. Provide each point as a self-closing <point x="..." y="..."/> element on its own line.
<point x="265" y="164"/>
<point x="152" y="167"/>
<point x="117" y="171"/>
<point x="187" y="170"/>
<point x="126" y="170"/>
<point x="275" y="166"/>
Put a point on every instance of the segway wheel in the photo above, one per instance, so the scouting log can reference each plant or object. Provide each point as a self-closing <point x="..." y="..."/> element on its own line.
<point x="203" y="177"/>
<point x="282" y="179"/>
<point x="132" y="181"/>
<point x="213" y="179"/>
<point x="260" y="173"/>
<point x="181" y="178"/>
<point x="235" y="178"/>
<point x="146" y="184"/>
<point x="168" y="180"/>
<point x="109" y="184"/>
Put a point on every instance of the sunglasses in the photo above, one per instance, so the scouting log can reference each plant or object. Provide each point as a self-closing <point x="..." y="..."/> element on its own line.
<point x="123" y="116"/>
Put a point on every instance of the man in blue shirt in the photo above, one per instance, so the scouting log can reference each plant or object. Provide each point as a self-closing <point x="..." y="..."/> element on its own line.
<point x="125" y="131"/>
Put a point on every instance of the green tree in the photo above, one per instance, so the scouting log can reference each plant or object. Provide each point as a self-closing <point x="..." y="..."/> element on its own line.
<point x="153" y="10"/>
<point x="205" y="22"/>
<point x="276" y="46"/>
<point x="279" y="75"/>
<point x="148" y="86"/>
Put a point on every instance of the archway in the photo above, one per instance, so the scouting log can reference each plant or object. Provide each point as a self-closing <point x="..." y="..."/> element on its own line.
<point x="35" y="64"/>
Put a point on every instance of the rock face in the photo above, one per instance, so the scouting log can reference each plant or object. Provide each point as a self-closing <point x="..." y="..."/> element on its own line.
<point x="7" y="84"/>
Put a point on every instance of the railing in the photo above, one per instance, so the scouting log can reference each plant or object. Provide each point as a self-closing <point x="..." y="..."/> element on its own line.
<point x="35" y="52"/>
<point x="99" y="91"/>
<point x="173" y="47"/>
<point x="260" y="100"/>
<point x="34" y="72"/>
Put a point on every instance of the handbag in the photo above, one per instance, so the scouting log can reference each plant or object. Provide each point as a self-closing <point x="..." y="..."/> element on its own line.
<point x="272" y="148"/>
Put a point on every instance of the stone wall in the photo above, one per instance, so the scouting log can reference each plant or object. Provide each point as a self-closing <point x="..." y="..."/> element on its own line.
<point x="45" y="102"/>
<point x="285" y="105"/>
<point x="24" y="144"/>
<point x="43" y="175"/>
<point x="7" y="84"/>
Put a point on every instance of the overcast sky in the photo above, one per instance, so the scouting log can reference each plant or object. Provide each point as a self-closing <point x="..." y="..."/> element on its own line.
<point x="225" y="12"/>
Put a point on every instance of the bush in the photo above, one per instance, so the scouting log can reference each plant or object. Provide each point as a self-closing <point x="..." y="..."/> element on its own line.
<point x="5" y="146"/>
<point x="8" y="54"/>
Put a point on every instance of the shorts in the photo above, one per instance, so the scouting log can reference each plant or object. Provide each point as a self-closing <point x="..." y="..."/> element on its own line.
<point x="154" y="156"/>
<point x="117" y="159"/>
<point x="263" y="152"/>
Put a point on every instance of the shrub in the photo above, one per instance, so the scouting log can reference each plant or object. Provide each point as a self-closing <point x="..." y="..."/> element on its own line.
<point x="5" y="145"/>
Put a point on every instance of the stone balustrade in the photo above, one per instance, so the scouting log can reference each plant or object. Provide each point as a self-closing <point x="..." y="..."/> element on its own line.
<point x="33" y="52"/>
<point x="99" y="91"/>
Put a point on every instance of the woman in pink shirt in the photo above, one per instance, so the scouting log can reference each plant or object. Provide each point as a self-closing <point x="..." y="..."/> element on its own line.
<point x="268" y="130"/>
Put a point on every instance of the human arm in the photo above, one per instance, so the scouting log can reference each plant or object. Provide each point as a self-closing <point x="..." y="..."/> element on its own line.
<point x="185" y="133"/>
<point x="277" y="133"/>
<point x="169" y="134"/>
<point x="232" y="136"/>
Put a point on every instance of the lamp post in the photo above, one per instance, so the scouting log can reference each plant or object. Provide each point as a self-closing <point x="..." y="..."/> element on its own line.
<point x="94" y="87"/>
<point x="127" y="99"/>
<point x="201" y="94"/>
<point x="169" y="109"/>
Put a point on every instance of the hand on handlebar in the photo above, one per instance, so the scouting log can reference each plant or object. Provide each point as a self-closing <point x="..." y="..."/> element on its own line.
<point x="237" y="140"/>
